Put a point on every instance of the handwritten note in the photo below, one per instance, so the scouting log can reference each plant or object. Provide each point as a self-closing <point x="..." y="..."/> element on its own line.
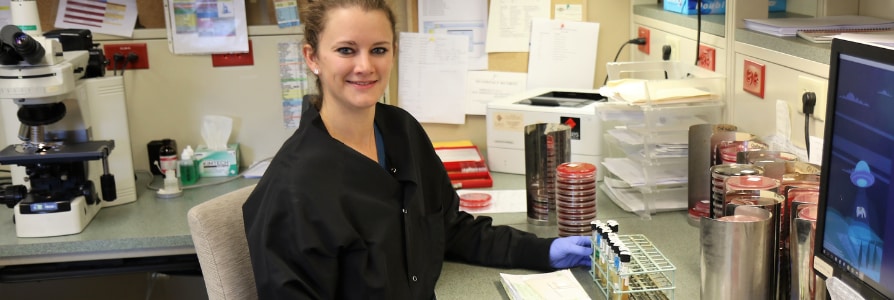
<point x="563" y="54"/>
<point x="509" y="25"/>
<point x="432" y="76"/>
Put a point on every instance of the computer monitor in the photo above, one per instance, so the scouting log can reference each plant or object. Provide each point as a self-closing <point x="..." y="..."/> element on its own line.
<point x="854" y="239"/>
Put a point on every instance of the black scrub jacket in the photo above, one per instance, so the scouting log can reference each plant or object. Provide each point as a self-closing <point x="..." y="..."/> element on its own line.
<point x="326" y="222"/>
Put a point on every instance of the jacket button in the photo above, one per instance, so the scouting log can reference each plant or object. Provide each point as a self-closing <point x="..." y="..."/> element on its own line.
<point x="404" y="210"/>
<point x="393" y="170"/>
<point x="415" y="279"/>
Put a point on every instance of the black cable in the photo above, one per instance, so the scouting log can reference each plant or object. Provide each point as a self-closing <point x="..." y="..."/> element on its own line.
<point x="807" y="133"/>
<point x="698" y="32"/>
<point x="123" y="67"/>
<point x="119" y="59"/>
<point x="638" y="41"/>
<point x="808" y="101"/>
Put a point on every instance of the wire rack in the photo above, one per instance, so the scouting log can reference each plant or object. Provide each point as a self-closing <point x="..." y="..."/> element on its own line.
<point x="651" y="274"/>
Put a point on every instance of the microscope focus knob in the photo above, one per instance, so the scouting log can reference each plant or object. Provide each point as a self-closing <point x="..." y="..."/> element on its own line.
<point x="13" y="194"/>
<point x="109" y="192"/>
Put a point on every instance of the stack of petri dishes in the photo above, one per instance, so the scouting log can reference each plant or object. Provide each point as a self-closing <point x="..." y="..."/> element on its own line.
<point x="575" y="197"/>
<point x="544" y="187"/>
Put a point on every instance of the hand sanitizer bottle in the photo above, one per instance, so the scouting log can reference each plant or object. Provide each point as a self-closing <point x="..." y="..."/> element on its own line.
<point x="188" y="172"/>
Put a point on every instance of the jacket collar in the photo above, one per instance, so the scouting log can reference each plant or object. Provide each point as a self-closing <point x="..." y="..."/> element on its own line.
<point x="395" y="133"/>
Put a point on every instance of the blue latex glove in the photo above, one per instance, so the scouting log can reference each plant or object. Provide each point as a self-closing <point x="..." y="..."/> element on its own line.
<point x="569" y="252"/>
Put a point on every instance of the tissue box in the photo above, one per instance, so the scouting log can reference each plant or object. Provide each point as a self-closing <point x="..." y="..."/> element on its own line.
<point x="218" y="163"/>
<point x="711" y="7"/>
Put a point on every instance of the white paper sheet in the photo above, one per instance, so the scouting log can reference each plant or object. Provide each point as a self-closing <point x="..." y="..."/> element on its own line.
<point x="5" y="14"/>
<point x="509" y="23"/>
<point x="199" y="27"/>
<point x="432" y="76"/>
<point x="459" y="17"/>
<point x="116" y="17"/>
<point x="501" y="201"/>
<point x="563" y="54"/>
<point x="486" y="86"/>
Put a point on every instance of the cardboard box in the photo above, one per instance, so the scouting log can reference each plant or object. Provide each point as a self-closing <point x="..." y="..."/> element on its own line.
<point x="711" y="7"/>
<point x="218" y="163"/>
<point x="687" y="7"/>
<point x="777" y="5"/>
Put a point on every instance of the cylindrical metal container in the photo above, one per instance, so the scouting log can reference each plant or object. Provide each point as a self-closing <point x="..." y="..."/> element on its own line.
<point x="700" y="154"/>
<point x="547" y="145"/>
<point x="719" y="174"/>
<point x="803" y="230"/>
<point x="736" y="258"/>
<point x="761" y="191"/>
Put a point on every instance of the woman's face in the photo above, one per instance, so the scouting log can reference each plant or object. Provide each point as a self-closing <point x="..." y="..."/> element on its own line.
<point x="354" y="57"/>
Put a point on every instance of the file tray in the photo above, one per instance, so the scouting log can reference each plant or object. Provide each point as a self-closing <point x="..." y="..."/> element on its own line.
<point x="651" y="274"/>
<point x="662" y="83"/>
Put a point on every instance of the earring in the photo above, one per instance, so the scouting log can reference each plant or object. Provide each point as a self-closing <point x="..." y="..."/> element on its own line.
<point x="316" y="72"/>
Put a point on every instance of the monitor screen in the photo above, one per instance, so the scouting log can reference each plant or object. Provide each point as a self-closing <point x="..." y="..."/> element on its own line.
<point x="855" y="222"/>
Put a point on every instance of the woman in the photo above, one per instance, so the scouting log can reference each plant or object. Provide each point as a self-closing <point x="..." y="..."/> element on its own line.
<point x="356" y="204"/>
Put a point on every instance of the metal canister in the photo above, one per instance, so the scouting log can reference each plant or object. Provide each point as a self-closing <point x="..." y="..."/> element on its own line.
<point x="735" y="255"/>
<point x="803" y="231"/>
<point x="547" y="145"/>
<point x="719" y="174"/>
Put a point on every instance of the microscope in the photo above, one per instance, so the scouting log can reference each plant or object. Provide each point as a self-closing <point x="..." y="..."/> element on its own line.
<point x="69" y="118"/>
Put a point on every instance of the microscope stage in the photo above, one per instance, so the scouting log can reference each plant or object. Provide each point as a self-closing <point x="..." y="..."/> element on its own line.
<point x="93" y="150"/>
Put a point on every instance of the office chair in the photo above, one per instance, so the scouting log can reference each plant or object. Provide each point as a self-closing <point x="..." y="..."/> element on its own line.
<point x="218" y="233"/>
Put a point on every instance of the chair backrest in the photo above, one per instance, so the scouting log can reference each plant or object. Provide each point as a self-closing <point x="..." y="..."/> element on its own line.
<point x="218" y="233"/>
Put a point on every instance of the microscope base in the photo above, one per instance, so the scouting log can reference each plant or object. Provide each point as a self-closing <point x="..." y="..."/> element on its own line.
<point x="57" y="223"/>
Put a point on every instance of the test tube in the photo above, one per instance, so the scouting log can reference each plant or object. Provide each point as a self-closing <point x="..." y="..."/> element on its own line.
<point x="624" y="275"/>
<point x="613" y="225"/>
<point x="596" y="239"/>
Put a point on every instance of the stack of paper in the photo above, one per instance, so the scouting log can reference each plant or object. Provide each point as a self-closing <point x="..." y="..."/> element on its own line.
<point x="633" y="91"/>
<point x="554" y="285"/>
<point x="791" y="26"/>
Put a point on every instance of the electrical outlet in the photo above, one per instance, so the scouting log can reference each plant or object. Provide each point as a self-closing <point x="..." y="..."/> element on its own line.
<point x="674" y="43"/>
<point x="706" y="57"/>
<point x="753" y="78"/>
<point x="142" y="62"/>
<point x="818" y="87"/>
<point x="643" y="32"/>
<point x="233" y="59"/>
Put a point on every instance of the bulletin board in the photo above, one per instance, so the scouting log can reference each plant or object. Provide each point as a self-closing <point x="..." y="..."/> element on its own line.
<point x="505" y="61"/>
<point x="152" y="14"/>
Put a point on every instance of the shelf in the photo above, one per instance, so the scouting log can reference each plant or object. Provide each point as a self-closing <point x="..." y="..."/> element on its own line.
<point x="651" y="274"/>
<point x="632" y="199"/>
<point x="712" y="24"/>
<point x="794" y="46"/>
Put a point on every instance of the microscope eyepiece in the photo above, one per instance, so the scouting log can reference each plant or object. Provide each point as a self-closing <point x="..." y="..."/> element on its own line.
<point x="28" y="48"/>
<point x="23" y="44"/>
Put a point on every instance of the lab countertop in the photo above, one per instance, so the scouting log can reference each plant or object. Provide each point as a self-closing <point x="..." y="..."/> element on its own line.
<point x="153" y="227"/>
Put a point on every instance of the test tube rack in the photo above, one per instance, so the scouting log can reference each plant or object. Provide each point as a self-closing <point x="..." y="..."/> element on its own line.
<point x="651" y="273"/>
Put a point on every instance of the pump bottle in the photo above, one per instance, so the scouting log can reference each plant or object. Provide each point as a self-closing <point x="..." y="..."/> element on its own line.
<point x="189" y="174"/>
